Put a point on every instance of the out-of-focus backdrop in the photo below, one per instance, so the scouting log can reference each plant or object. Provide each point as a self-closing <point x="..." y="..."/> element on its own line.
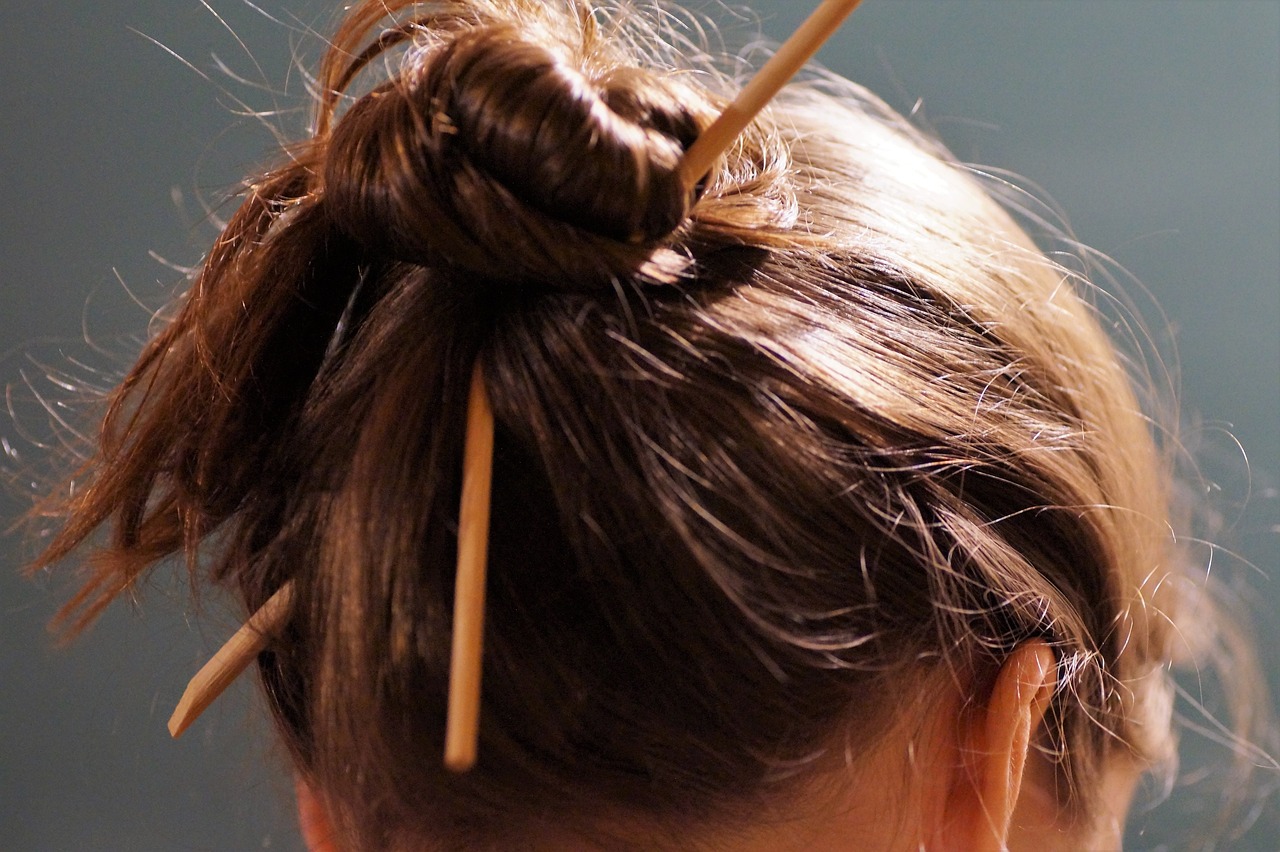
<point x="1154" y="125"/>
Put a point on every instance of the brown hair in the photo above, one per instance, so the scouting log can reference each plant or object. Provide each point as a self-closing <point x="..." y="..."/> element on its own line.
<point x="767" y="454"/>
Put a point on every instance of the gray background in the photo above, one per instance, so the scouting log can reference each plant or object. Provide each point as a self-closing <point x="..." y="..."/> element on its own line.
<point x="1156" y="125"/>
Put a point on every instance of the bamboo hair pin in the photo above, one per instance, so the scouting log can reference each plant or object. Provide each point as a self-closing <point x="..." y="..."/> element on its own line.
<point x="762" y="88"/>
<point x="462" y="725"/>
<point x="232" y="659"/>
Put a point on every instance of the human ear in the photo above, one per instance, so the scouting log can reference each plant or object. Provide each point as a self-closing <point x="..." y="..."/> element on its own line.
<point x="996" y="741"/>
<point x="317" y="831"/>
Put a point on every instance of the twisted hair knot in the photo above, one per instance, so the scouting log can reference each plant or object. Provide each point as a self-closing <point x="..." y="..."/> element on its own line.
<point x="494" y="155"/>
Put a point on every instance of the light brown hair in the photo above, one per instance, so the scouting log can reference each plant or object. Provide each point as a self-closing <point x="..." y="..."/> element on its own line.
<point x="769" y="454"/>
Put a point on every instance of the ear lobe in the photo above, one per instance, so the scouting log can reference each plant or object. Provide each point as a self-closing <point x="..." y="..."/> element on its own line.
<point x="1000" y="738"/>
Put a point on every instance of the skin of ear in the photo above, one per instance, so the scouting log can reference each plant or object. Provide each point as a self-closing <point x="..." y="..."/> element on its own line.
<point x="995" y="743"/>
<point x="1021" y="809"/>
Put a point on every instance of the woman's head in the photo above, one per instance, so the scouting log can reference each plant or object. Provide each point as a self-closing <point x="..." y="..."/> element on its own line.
<point x="778" y="461"/>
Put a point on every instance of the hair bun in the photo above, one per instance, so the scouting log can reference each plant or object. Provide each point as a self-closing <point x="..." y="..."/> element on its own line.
<point x="491" y="153"/>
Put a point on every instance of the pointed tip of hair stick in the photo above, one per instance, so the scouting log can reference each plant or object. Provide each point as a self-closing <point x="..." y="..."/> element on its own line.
<point x="182" y="716"/>
<point x="231" y="660"/>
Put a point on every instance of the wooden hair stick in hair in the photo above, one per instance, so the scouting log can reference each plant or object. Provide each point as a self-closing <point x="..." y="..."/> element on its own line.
<point x="462" y="725"/>
<point x="232" y="659"/>
<point x="468" y="624"/>
<point x="775" y="74"/>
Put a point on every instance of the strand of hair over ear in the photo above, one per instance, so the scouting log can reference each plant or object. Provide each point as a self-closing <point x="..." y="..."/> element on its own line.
<point x="463" y="718"/>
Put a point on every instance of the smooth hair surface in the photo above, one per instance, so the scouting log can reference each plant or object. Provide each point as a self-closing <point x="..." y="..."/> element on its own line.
<point x="770" y="454"/>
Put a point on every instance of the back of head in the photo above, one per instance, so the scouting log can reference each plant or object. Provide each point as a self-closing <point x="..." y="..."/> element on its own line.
<point x="772" y="456"/>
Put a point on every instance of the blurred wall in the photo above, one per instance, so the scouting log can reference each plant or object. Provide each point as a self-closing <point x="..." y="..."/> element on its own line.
<point x="1154" y="125"/>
